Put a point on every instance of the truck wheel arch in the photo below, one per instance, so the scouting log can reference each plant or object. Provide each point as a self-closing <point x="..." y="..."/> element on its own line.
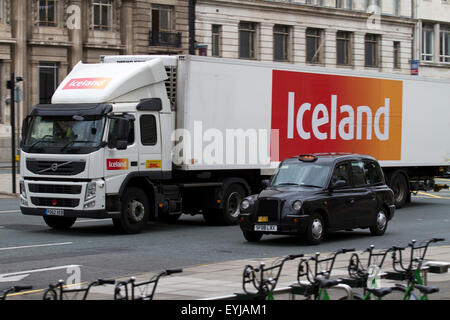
<point x="145" y="184"/>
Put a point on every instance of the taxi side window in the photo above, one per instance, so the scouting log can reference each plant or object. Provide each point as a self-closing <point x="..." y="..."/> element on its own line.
<point x="372" y="172"/>
<point x="342" y="172"/>
<point x="358" y="176"/>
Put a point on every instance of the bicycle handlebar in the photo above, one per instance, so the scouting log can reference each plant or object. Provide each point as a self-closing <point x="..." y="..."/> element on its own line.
<point x="172" y="271"/>
<point x="101" y="282"/>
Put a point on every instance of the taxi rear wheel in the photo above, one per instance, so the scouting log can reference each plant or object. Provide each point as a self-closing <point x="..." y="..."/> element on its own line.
<point x="380" y="226"/>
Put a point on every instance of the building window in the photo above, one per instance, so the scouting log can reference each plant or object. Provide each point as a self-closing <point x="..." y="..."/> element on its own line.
<point x="47" y="82"/>
<point x="103" y="15"/>
<point x="48" y="13"/>
<point x="216" y="40"/>
<point x="445" y="44"/>
<point x="162" y="19"/>
<point x="162" y="33"/>
<point x="247" y="40"/>
<point x="427" y="43"/>
<point x="344" y="4"/>
<point x="313" y="45"/>
<point x="397" y="54"/>
<point x="344" y="47"/>
<point x="368" y="4"/>
<point x="371" y="43"/>
<point x="280" y="43"/>
<point x="396" y="8"/>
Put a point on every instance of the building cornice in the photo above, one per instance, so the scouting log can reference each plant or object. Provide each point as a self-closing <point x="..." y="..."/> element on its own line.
<point x="307" y="9"/>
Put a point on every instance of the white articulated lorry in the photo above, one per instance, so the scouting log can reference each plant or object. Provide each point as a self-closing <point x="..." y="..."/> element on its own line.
<point x="138" y="138"/>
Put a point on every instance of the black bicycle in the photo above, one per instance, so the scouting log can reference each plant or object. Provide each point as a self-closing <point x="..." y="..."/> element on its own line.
<point x="411" y="273"/>
<point x="60" y="292"/>
<point x="121" y="291"/>
<point x="4" y="293"/>
<point x="317" y="280"/>
<point x="361" y="275"/>
<point x="255" y="279"/>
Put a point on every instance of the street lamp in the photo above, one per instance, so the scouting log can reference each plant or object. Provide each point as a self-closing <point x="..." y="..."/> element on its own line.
<point x="11" y="85"/>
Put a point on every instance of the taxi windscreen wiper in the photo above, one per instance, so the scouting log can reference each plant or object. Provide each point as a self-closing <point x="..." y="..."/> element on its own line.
<point x="286" y="184"/>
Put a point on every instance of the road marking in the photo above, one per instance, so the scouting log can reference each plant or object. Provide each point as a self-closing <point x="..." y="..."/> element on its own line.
<point x="17" y="276"/>
<point x="37" y="245"/>
<point x="10" y="211"/>
<point x="91" y="220"/>
<point x="42" y="290"/>
<point x="432" y="195"/>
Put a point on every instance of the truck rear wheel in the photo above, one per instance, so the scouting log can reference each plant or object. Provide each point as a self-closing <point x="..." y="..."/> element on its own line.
<point x="59" y="223"/>
<point x="399" y="185"/>
<point x="135" y="212"/>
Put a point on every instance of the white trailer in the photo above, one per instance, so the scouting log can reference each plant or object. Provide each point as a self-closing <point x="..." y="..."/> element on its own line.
<point x="152" y="137"/>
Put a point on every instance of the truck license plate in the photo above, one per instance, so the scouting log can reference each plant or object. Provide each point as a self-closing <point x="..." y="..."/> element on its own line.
<point x="265" y="227"/>
<point x="54" y="212"/>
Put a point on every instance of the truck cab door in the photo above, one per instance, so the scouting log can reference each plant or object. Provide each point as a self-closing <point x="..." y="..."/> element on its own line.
<point x="120" y="161"/>
<point x="149" y="144"/>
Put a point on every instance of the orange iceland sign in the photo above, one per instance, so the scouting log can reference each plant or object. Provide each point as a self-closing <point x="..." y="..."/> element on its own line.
<point x="320" y="113"/>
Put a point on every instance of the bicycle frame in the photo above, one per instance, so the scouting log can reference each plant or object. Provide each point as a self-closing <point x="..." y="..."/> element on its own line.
<point x="264" y="287"/>
<point x="359" y="274"/>
<point x="134" y="285"/>
<point x="52" y="290"/>
<point x="315" y="279"/>
<point x="14" y="289"/>
<point x="411" y="273"/>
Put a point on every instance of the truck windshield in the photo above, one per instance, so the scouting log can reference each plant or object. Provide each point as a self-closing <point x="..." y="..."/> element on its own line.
<point x="64" y="133"/>
<point x="304" y="174"/>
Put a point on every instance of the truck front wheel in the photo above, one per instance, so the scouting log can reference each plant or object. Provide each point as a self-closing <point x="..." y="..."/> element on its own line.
<point x="134" y="213"/>
<point x="59" y="223"/>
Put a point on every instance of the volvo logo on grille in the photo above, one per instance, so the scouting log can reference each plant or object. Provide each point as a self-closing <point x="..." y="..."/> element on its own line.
<point x="54" y="166"/>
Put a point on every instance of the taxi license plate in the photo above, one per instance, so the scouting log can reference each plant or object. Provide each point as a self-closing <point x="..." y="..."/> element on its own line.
<point x="265" y="227"/>
<point x="54" y="212"/>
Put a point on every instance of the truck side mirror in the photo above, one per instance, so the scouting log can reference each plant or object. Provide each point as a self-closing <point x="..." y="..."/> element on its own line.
<point x="265" y="183"/>
<point x="119" y="137"/>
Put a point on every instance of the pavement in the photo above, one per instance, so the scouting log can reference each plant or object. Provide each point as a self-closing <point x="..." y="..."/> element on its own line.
<point x="221" y="281"/>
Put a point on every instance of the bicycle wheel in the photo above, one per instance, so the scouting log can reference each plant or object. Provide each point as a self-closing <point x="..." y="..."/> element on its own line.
<point x="50" y="294"/>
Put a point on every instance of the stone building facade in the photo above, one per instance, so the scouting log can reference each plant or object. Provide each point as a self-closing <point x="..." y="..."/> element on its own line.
<point x="41" y="40"/>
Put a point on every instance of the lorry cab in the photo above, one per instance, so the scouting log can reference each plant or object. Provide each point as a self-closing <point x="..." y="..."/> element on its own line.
<point x="103" y="128"/>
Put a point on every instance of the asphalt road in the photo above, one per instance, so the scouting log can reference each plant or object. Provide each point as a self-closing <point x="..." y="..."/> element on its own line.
<point x="33" y="254"/>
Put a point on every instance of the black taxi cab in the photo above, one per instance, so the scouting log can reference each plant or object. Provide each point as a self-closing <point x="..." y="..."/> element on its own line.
<point x="311" y="195"/>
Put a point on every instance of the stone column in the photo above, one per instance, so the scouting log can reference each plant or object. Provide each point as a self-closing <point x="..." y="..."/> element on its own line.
<point x="436" y="43"/>
<point x="76" y="31"/>
<point x="20" y="16"/>
<point x="299" y="45"/>
<point x="265" y="42"/>
<point x="127" y="25"/>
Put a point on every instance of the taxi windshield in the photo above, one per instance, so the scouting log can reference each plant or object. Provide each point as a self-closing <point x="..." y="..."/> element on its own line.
<point x="306" y="174"/>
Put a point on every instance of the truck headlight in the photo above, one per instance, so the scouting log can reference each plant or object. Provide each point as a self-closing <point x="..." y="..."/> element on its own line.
<point x="91" y="189"/>
<point x="245" y="204"/>
<point x="297" y="205"/>
<point x="23" y="191"/>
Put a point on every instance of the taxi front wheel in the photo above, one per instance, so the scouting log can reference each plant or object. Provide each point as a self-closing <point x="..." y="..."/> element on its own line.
<point x="252" y="236"/>
<point x="316" y="230"/>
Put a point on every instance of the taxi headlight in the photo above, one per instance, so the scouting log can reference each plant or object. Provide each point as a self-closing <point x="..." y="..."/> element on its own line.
<point x="297" y="205"/>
